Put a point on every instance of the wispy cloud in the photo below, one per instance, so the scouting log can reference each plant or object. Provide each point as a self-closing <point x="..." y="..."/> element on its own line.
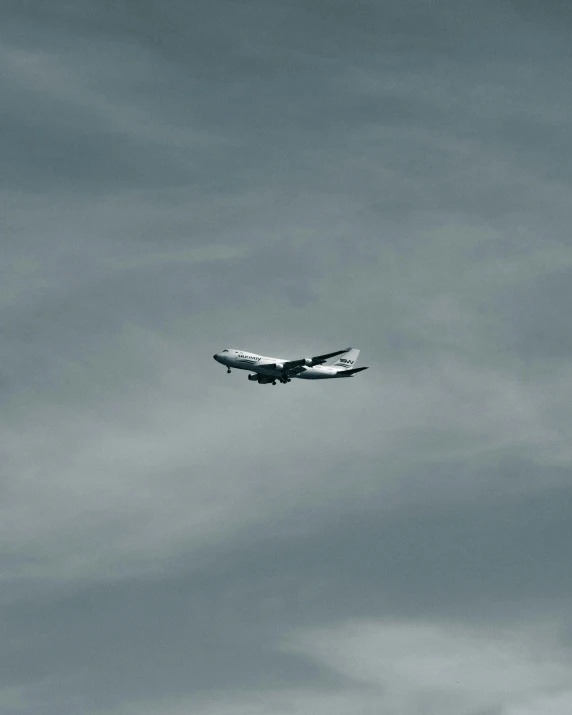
<point x="407" y="666"/>
<point x="286" y="178"/>
<point x="444" y="667"/>
<point x="54" y="79"/>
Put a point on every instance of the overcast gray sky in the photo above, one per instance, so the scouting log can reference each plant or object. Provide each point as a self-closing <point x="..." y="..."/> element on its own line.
<point x="288" y="177"/>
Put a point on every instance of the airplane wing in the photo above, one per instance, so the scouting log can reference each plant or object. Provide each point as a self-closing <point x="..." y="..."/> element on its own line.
<point x="310" y="362"/>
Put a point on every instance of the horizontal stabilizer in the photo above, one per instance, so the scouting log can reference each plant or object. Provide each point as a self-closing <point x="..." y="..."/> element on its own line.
<point x="351" y="372"/>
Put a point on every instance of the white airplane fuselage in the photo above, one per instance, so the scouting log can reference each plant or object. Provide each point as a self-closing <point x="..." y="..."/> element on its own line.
<point x="271" y="366"/>
<point x="267" y="370"/>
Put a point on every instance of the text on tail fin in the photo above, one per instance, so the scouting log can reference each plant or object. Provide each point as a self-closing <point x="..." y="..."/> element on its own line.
<point x="348" y="359"/>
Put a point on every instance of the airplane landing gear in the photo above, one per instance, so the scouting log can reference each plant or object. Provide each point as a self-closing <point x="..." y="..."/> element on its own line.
<point x="228" y="371"/>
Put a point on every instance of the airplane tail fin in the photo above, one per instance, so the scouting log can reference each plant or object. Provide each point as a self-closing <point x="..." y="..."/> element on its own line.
<point x="348" y="359"/>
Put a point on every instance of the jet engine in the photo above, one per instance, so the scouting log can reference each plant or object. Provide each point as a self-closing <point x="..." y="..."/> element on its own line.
<point x="261" y="379"/>
<point x="308" y="361"/>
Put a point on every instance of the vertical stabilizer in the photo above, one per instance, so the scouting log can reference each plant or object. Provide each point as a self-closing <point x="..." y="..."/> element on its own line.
<point x="348" y="359"/>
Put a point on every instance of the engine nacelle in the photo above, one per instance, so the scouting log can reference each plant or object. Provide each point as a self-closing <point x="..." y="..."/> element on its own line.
<point x="261" y="379"/>
<point x="308" y="361"/>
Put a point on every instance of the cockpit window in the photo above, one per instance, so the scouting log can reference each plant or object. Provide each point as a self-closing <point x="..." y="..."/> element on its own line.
<point x="225" y="351"/>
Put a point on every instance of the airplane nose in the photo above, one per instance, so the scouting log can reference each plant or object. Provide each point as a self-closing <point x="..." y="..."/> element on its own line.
<point x="216" y="357"/>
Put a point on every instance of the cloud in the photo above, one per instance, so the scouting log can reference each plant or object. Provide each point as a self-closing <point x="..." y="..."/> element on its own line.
<point x="558" y="704"/>
<point x="287" y="178"/>
<point x="82" y="124"/>
<point x="408" y="666"/>
<point x="141" y="475"/>
<point x="447" y="668"/>
<point x="538" y="316"/>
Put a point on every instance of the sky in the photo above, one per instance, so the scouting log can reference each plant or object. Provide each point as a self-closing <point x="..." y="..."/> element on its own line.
<point x="287" y="177"/>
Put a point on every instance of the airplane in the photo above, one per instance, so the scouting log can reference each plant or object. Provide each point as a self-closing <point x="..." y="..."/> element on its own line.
<point x="267" y="370"/>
